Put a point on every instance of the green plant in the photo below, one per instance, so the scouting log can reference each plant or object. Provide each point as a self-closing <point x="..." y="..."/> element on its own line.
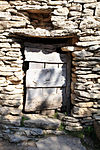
<point x="56" y="115"/>
<point x="61" y="127"/>
<point x="78" y="134"/>
<point x="23" y="119"/>
<point x="66" y="114"/>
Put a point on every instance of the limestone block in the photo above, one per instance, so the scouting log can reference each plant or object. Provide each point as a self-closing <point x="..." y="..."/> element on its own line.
<point x="64" y="32"/>
<point x="66" y="119"/>
<point x="90" y="43"/>
<point x="6" y="74"/>
<point x="9" y="110"/>
<point x="80" y="86"/>
<point x="19" y="18"/>
<point x="85" y="1"/>
<point x="16" y="45"/>
<point x="88" y="12"/>
<point x="43" y="123"/>
<point x="36" y="8"/>
<point x="89" y="76"/>
<point x="31" y="32"/>
<point x="14" y="54"/>
<point x="90" y="5"/>
<point x="4" y="40"/>
<point x="2" y="80"/>
<point x="9" y="69"/>
<point x="70" y="124"/>
<point x="58" y="18"/>
<point x="16" y="3"/>
<point x="84" y="105"/>
<point x="97" y="54"/>
<point x="87" y="94"/>
<point x="75" y="13"/>
<point x="82" y="54"/>
<point x="97" y="117"/>
<point x="61" y="11"/>
<point x="89" y="22"/>
<point x="32" y="2"/>
<point x="14" y="103"/>
<point x="68" y="49"/>
<point x="9" y="88"/>
<point x="5" y="16"/>
<point x="94" y="110"/>
<point x="56" y="3"/>
<point x="81" y="112"/>
<point x="96" y="69"/>
<point x="2" y="53"/>
<point x="10" y="24"/>
<point x="15" y="91"/>
<point x="94" y="47"/>
<point x="6" y="45"/>
<point x="11" y="97"/>
<point x="90" y="38"/>
<point x="69" y="128"/>
<point x="97" y="13"/>
<point x="12" y="120"/>
<point x="83" y="72"/>
<point x="98" y="80"/>
<point x="76" y="7"/>
<point x="4" y="5"/>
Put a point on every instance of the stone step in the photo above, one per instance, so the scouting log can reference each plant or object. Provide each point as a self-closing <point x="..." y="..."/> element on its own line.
<point x="38" y="121"/>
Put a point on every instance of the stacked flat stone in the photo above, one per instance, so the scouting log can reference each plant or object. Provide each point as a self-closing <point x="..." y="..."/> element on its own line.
<point x="70" y="123"/>
<point x="79" y="19"/>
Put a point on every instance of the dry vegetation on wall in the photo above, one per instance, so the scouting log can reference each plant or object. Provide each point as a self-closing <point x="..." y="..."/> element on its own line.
<point x="49" y="18"/>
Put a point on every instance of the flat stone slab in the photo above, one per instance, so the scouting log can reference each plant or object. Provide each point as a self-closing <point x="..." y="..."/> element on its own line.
<point x="36" y="121"/>
<point x="63" y="142"/>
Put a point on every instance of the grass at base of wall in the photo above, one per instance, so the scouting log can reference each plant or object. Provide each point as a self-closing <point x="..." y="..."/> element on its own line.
<point x="22" y="120"/>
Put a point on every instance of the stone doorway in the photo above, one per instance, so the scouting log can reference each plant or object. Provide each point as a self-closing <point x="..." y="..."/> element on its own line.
<point x="47" y="77"/>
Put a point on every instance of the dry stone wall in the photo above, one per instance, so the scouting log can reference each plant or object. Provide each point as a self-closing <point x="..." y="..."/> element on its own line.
<point x="79" y="19"/>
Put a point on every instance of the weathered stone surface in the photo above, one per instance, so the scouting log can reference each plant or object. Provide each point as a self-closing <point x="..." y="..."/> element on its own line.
<point x="31" y="32"/>
<point x="61" y="11"/>
<point x="85" y="1"/>
<point x="15" y="103"/>
<point x="82" y="54"/>
<point x="69" y="128"/>
<point x="87" y="95"/>
<point x="9" y="110"/>
<point x="84" y="105"/>
<point x="97" y="13"/>
<point x="4" y="5"/>
<point x="75" y="13"/>
<point x="76" y="7"/>
<point x="70" y="124"/>
<point x="81" y="112"/>
<point x="77" y="23"/>
<point x="10" y="120"/>
<point x="88" y="12"/>
<point x="90" y="5"/>
<point x="89" y="22"/>
<point x="68" y="49"/>
<point x="89" y="38"/>
<point x="41" y="122"/>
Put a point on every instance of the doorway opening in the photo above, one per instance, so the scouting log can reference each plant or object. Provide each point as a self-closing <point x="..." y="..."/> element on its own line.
<point x="47" y="76"/>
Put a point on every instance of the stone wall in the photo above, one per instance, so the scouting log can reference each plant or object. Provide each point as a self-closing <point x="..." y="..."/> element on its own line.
<point x="79" y="19"/>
